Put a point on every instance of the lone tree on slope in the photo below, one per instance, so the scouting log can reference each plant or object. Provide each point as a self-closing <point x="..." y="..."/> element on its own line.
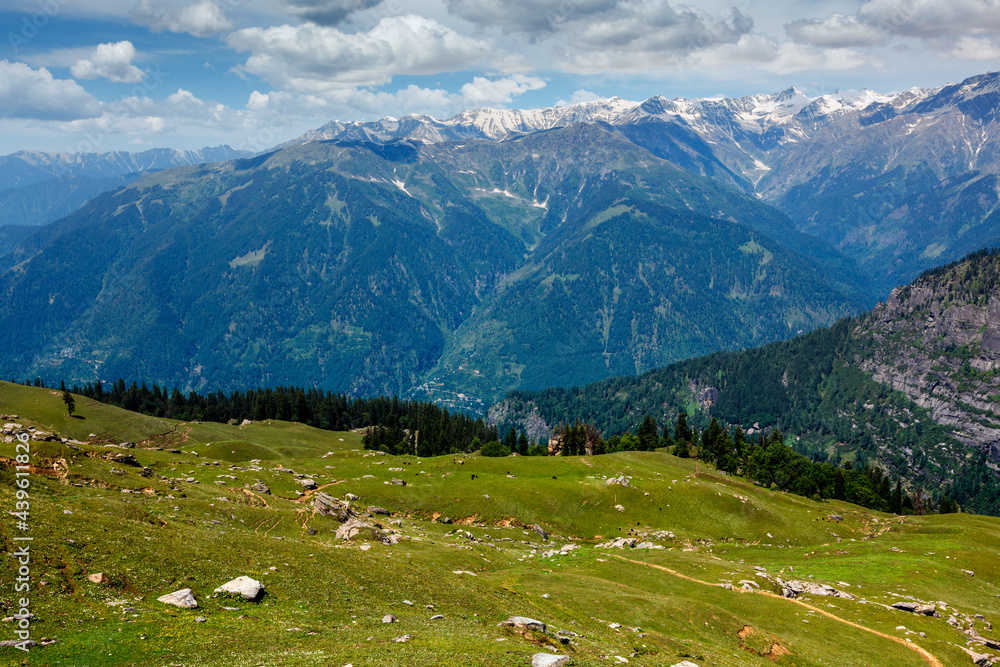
<point x="69" y="401"/>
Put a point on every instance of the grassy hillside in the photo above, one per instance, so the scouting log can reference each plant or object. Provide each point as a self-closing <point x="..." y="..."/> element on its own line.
<point x="184" y="519"/>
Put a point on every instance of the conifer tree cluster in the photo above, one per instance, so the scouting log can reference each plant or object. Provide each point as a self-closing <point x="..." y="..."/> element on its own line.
<point x="398" y="426"/>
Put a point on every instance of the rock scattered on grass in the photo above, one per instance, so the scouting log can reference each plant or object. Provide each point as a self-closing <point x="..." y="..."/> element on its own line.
<point x="621" y="480"/>
<point x="549" y="660"/>
<point x="247" y="588"/>
<point x="98" y="578"/>
<point x="620" y="543"/>
<point x="793" y="589"/>
<point x="524" y="623"/>
<point x="402" y="639"/>
<point x="326" y="505"/>
<point x="356" y="529"/>
<point x="917" y="608"/>
<point x="184" y="598"/>
<point x="389" y="618"/>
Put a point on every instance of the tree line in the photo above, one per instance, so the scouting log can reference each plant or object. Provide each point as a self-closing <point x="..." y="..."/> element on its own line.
<point x="763" y="458"/>
<point x="391" y="424"/>
<point x="401" y="427"/>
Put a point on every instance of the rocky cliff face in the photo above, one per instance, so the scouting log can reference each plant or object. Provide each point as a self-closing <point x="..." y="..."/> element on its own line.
<point x="938" y="341"/>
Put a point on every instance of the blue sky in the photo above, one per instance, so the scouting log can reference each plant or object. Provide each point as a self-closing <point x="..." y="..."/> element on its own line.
<point x="100" y="75"/>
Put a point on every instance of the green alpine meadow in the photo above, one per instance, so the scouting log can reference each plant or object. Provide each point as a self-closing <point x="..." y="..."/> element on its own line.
<point x="499" y="333"/>
<point x="367" y="558"/>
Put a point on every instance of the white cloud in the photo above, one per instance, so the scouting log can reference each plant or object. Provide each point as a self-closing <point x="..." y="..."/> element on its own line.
<point x="579" y="97"/>
<point x="313" y="58"/>
<point x="974" y="48"/>
<point x="329" y="12"/>
<point x="642" y="36"/>
<point x="201" y="19"/>
<point x="258" y="101"/>
<point x="836" y="31"/>
<point x="533" y="17"/>
<point x="112" y="123"/>
<point x="933" y="19"/>
<point x="482" y="91"/>
<point x="653" y="26"/>
<point x="112" y="61"/>
<point x="757" y="51"/>
<point x="35" y="93"/>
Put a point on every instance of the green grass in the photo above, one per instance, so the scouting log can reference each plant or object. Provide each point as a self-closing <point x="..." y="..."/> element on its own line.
<point x="45" y="407"/>
<point x="155" y="533"/>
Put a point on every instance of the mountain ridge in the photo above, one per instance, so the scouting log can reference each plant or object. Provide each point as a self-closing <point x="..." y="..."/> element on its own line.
<point x="912" y="175"/>
<point x="386" y="268"/>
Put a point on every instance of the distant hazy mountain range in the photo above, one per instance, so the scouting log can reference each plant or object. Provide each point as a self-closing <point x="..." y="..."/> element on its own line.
<point x="458" y="259"/>
<point x="37" y="188"/>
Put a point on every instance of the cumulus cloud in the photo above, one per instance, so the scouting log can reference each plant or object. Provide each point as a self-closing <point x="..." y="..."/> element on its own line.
<point x="579" y="97"/>
<point x="603" y="28"/>
<point x="637" y="35"/>
<point x="836" y="31"/>
<point x="314" y="58"/>
<point x="527" y="16"/>
<point x="653" y="26"/>
<point x="36" y="94"/>
<point x="112" y="61"/>
<point x="932" y="18"/>
<point x="783" y="58"/>
<point x="654" y="44"/>
<point x="975" y="48"/>
<point x="329" y="12"/>
<point x="201" y="19"/>
<point x="481" y="91"/>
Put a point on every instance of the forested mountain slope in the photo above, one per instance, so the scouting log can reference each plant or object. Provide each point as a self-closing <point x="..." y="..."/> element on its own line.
<point x="913" y="385"/>
<point x="436" y="270"/>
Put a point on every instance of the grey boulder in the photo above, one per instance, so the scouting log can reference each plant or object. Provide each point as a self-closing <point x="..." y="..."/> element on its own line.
<point x="524" y="623"/>
<point x="357" y="529"/>
<point x="326" y="505"/>
<point x="549" y="660"/>
<point x="183" y="598"/>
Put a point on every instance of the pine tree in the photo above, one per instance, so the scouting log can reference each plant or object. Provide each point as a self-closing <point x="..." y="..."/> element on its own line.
<point x="896" y="500"/>
<point x="510" y="441"/>
<point x="681" y="431"/>
<point x="665" y="439"/>
<point x="69" y="401"/>
<point x="647" y="434"/>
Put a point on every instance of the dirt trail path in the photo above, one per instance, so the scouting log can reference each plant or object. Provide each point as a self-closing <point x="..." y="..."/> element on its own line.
<point x="924" y="653"/>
